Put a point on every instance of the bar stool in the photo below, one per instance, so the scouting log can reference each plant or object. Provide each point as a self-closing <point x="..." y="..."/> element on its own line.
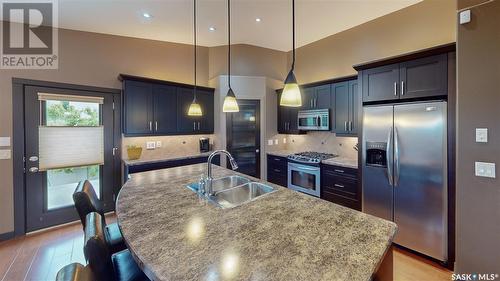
<point x="120" y="266"/>
<point x="86" y="201"/>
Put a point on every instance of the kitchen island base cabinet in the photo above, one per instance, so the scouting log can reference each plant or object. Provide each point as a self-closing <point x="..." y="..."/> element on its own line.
<point x="385" y="271"/>
<point x="340" y="185"/>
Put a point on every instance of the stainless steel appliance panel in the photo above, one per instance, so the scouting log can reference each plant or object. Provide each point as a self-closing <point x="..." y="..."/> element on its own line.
<point x="420" y="177"/>
<point x="304" y="178"/>
<point x="377" y="179"/>
<point x="314" y="120"/>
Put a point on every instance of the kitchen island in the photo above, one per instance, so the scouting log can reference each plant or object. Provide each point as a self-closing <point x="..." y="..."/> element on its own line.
<point x="175" y="235"/>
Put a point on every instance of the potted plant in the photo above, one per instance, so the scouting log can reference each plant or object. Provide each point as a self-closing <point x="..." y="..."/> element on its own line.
<point x="134" y="152"/>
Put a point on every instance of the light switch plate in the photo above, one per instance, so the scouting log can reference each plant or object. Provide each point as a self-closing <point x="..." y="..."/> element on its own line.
<point x="465" y="17"/>
<point x="269" y="142"/>
<point x="5" y="154"/>
<point x="284" y="140"/>
<point x="4" y="141"/>
<point x="158" y="143"/>
<point x="483" y="169"/>
<point x="481" y="135"/>
<point x="150" y="145"/>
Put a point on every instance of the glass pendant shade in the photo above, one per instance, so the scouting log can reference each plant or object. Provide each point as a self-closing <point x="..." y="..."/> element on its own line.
<point x="230" y="103"/>
<point x="291" y="95"/>
<point x="195" y="109"/>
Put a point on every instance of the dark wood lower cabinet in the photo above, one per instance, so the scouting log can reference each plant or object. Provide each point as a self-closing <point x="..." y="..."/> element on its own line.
<point x="277" y="169"/>
<point x="340" y="185"/>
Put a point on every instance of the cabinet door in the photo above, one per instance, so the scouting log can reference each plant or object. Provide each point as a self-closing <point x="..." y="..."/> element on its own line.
<point x="138" y="108"/>
<point x="424" y="77"/>
<point x="165" y="109"/>
<point x="353" y="107"/>
<point x="341" y="110"/>
<point x="308" y="96"/>
<point x="206" y="100"/>
<point x="323" y="96"/>
<point x="282" y="117"/>
<point x="185" y="124"/>
<point x="381" y="83"/>
<point x="293" y="122"/>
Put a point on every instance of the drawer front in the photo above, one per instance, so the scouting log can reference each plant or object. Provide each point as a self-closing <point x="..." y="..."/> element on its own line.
<point x="341" y="200"/>
<point x="277" y="178"/>
<point x="340" y="171"/>
<point x="276" y="161"/>
<point x="344" y="186"/>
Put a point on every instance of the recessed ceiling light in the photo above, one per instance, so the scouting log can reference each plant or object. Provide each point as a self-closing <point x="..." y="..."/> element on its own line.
<point x="258" y="19"/>
<point x="147" y="15"/>
<point x="211" y="28"/>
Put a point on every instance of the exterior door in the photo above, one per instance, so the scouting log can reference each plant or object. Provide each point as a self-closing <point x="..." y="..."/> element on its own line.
<point x="420" y="177"/>
<point x="243" y="137"/>
<point x="378" y="161"/>
<point x="69" y="137"/>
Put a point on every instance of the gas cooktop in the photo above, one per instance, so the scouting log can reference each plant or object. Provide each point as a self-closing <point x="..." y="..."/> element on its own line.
<point x="311" y="157"/>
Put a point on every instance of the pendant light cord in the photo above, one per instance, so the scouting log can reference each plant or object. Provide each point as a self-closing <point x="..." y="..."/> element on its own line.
<point x="293" y="34"/>
<point x="194" y="32"/>
<point x="229" y="43"/>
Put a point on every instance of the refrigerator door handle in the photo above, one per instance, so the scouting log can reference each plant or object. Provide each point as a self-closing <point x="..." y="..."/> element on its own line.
<point x="389" y="156"/>
<point x="396" y="157"/>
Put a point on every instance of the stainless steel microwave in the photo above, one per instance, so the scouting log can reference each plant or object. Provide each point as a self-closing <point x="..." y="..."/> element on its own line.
<point x="314" y="120"/>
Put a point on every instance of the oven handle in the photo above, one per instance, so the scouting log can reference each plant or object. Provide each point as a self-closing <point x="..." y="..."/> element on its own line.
<point x="304" y="167"/>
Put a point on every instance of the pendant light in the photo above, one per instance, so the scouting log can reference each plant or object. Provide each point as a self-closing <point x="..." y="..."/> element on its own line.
<point x="194" y="108"/>
<point x="230" y="103"/>
<point x="291" y="92"/>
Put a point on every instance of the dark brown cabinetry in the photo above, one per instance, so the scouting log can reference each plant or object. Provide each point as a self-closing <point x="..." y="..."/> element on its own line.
<point x="155" y="107"/>
<point x="340" y="185"/>
<point x="287" y="118"/>
<point x="345" y="99"/>
<point x="317" y="97"/>
<point x="417" y="78"/>
<point x="277" y="169"/>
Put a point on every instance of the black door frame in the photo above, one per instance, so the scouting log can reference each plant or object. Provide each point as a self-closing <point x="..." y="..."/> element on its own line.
<point x="18" y="140"/>
<point x="258" y="127"/>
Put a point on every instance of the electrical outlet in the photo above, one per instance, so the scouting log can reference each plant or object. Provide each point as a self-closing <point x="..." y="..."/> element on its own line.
<point x="269" y="142"/>
<point x="150" y="145"/>
<point x="276" y="141"/>
<point x="5" y="154"/>
<point x="4" y="141"/>
<point x="158" y="143"/>
<point x="284" y="140"/>
<point x="481" y="135"/>
<point x="483" y="169"/>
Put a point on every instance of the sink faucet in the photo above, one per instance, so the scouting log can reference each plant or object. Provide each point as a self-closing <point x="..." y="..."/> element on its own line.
<point x="208" y="180"/>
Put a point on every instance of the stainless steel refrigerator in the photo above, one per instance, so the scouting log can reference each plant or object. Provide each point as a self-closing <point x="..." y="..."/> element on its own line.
<point x="405" y="172"/>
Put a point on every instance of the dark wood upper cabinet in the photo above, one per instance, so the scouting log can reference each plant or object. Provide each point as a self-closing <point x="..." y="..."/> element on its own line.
<point x="354" y="100"/>
<point x="323" y="96"/>
<point x="138" y="108"/>
<point x="382" y="83"/>
<point x="340" y="106"/>
<point x="156" y="107"/>
<point x="165" y="113"/>
<point x="308" y="96"/>
<point x="424" y="77"/>
<point x="287" y="118"/>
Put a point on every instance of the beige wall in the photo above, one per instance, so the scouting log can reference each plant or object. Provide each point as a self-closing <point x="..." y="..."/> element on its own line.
<point x="96" y="60"/>
<point x="427" y="24"/>
<point x="478" y="96"/>
<point x="248" y="60"/>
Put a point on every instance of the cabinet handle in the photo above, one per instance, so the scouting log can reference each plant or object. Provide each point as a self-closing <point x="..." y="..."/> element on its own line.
<point x="311" y="103"/>
<point x="339" y="171"/>
<point x="396" y="88"/>
<point x="402" y="88"/>
<point x="345" y="126"/>
<point x="277" y="171"/>
<point x="151" y="125"/>
<point x="316" y="102"/>
<point x="156" y="125"/>
<point x="198" y="126"/>
<point x="194" y="126"/>
<point x="339" y="185"/>
<point x="350" y="126"/>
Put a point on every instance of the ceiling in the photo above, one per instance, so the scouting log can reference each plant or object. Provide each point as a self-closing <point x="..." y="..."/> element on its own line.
<point x="172" y="20"/>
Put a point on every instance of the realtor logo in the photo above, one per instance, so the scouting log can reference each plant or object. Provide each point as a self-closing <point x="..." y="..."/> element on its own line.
<point x="29" y="34"/>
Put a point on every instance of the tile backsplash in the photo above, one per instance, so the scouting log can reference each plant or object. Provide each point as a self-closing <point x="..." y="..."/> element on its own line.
<point x="317" y="141"/>
<point x="170" y="145"/>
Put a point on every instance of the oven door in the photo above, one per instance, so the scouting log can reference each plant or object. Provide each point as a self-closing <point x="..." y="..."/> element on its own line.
<point x="304" y="178"/>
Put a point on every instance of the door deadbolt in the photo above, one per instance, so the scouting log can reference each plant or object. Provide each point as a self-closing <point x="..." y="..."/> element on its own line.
<point x="33" y="169"/>
<point x="33" y="158"/>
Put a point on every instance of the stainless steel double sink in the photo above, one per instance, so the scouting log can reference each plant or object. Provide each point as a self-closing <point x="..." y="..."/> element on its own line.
<point x="233" y="191"/>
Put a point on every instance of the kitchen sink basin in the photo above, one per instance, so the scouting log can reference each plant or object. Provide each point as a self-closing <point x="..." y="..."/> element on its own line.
<point x="223" y="183"/>
<point x="241" y="194"/>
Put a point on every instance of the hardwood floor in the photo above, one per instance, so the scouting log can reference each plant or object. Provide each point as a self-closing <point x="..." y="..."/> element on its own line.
<point x="39" y="256"/>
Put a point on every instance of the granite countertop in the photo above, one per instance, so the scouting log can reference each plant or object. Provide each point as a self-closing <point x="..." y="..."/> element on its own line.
<point x="175" y="235"/>
<point x="165" y="157"/>
<point x="337" y="161"/>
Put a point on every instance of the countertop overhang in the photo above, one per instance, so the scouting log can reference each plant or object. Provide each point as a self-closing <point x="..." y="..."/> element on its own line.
<point x="175" y="235"/>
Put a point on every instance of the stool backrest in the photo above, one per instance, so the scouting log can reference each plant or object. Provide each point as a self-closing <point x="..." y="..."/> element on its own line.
<point x="86" y="201"/>
<point x="95" y="248"/>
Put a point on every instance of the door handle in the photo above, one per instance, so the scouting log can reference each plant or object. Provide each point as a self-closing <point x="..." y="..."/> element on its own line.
<point x="33" y="158"/>
<point x="396" y="88"/>
<point x="33" y="170"/>
<point x="396" y="157"/>
<point x="402" y="88"/>
<point x="388" y="155"/>
<point x="257" y="150"/>
<point x="156" y="125"/>
<point x="151" y="125"/>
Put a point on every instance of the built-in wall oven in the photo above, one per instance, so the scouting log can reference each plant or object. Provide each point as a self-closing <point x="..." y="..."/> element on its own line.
<point x="314" y="120"/>
<point x="304" y="178"/>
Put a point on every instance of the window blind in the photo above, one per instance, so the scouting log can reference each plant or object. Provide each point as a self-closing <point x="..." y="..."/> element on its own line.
<point x="62" y="97"/>
<point x="64" y="147"/>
